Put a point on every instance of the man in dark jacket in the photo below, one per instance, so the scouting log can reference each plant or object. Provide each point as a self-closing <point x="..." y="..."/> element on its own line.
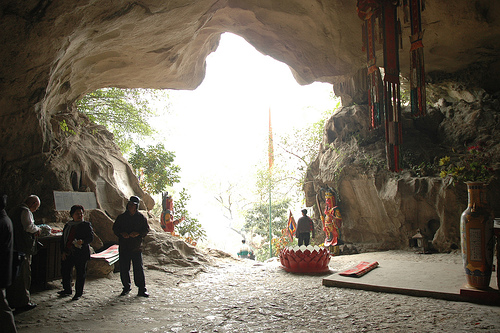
<point x="304" y="226"/>
<point x="131" y="227"/>
<point x="6" y="247"/>
<point x="25" y="233"/>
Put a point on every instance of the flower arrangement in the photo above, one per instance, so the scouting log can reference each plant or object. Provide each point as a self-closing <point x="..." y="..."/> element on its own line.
<point x="281" y="242"/>
<point x="472" y="166"/>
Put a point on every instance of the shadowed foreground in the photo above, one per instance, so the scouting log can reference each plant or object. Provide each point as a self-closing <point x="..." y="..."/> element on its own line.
<point x="245" y="296"/>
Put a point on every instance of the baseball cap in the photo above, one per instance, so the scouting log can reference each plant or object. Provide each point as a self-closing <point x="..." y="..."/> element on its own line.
<point x="135" y="200"/>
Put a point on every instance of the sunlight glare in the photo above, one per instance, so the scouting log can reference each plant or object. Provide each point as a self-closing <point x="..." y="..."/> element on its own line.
<point x="219" y="131"/>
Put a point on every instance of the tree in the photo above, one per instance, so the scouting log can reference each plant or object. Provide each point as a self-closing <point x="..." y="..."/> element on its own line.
<point x="257" y="218"/>
<point x="232" y="202"/>
<point x="154" y="167"/>
<point x="295" y="153"/>
<point x="257" y="222"/>
<point x="124" y="112"/>
<point x="226" y="200"/>
<point x="301" y="145"/>
<point x="190" y="227"/>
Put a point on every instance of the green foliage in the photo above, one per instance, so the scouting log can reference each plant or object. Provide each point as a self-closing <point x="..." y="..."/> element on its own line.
<point x="405" y="96"/>
<point x="190" y="227"/>
<point x="154" y="167"/>
<point x="302" y="143"/>
<point x="368" y="161"/>
<point x="417" y="164"/>
<point x="65" y="128"/>
<point x="257" y="218"/>
<point x="293" y="156"/>
<point x="471" y="166"/>
<point x="262" y="253"/>
<point x="423" y="169"/>
<point x="124" y="112"/>
<point x="276" y="178"/>
<point x="297" y="150"/>
<point x="279" y="243"/>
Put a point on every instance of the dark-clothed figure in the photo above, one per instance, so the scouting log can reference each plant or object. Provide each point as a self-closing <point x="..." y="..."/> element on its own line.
<point x="75" y="248"/>
<point x="131" y="227"/>
<point x="6" y="247"/>
<point x="25" y="232"/>
<point x="304" y="226"/>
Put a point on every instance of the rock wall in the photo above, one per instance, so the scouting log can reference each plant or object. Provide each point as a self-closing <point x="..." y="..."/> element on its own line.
<point x="54" y="52"/>
<point x="83" y="157"/>
<point x="383" y="210"/>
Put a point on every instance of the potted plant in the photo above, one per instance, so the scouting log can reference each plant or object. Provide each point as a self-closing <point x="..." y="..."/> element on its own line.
<point x="471" y="166"/>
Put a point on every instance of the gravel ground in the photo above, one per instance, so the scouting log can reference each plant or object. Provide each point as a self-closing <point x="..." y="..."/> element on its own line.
<point x="245" y="296"/>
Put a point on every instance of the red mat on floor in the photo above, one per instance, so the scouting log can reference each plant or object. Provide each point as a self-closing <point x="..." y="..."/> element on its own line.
<point x="361" y="269"/>
<point x="111" y="254"/>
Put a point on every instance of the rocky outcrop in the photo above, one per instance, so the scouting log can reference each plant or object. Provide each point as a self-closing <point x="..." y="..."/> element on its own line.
<point x="383" y="210"/>
<point x="83" y="157"/>
<point x="170" y="250"/>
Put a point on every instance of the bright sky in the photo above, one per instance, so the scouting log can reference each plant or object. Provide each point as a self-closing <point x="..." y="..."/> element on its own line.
<point x="219" y="131"/>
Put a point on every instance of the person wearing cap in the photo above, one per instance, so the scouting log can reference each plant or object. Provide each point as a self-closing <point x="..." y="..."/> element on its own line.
<point x="304" y="226"/>
<point x="131" y="227"/>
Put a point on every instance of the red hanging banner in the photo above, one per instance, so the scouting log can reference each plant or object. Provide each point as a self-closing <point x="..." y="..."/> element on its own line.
<point x="393" y="130"/>
<point x="375" y="93"/>
<point x="417" y="70"/>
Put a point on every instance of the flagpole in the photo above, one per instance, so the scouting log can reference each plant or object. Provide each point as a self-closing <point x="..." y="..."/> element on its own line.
<point x="270" y="232"/>
<point x="271" y="161"/>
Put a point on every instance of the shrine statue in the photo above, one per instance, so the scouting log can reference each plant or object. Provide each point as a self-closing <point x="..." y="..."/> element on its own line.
<point x="167" y="221"/>
<point x="332" y="221"/>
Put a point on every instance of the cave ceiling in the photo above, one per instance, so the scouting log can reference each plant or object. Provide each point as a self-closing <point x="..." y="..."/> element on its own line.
<point x="54" y="52"/>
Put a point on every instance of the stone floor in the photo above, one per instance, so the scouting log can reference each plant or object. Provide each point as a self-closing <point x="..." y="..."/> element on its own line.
<point x="431" y="275"/>
<point x="245" y="296"/>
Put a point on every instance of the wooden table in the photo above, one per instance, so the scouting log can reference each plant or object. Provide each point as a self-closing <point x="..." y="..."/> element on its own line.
<point x="46" y="264"/>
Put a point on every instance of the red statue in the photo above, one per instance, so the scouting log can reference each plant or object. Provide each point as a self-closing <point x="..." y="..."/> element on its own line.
<point x="167" y="221"/>
<point x="332" y="221"/>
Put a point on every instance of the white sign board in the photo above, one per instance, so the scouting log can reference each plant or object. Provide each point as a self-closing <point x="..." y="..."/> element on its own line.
<point x="64" y="200"/>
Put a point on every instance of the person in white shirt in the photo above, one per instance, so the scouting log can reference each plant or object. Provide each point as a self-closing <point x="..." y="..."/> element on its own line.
<point x="244" y="250"/>
<point x="25" y="232"/>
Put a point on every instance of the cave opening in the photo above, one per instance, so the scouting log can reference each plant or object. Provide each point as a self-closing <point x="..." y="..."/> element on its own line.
<point x="219" y="131"/>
